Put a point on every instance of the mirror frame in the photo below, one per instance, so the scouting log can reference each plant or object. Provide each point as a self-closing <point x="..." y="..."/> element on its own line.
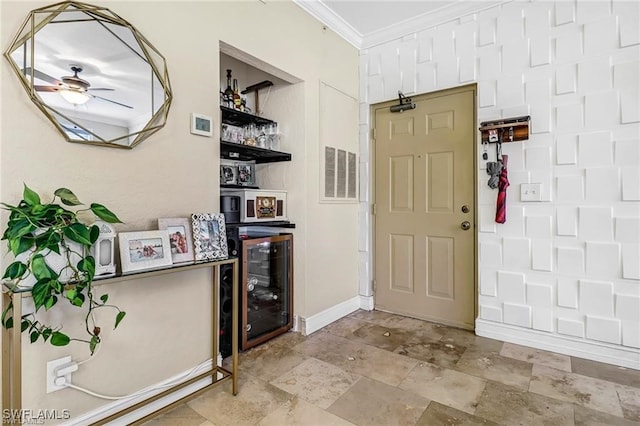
<point x="34" y="23"/>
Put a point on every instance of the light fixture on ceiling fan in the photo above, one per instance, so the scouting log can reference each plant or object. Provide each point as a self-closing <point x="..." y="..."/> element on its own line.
<point x="72" y="88"/>
<point x="75" y="91"/>
<point x="74" y="96"/>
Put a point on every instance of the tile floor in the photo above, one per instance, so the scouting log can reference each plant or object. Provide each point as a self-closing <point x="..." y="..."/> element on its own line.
<point x="375" y="368"/>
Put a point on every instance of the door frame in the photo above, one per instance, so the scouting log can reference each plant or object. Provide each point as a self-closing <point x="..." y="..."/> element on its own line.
<point x="372" y="178"/>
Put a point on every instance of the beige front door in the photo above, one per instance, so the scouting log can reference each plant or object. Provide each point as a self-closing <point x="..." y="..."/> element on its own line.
<point x="424" y="197"/>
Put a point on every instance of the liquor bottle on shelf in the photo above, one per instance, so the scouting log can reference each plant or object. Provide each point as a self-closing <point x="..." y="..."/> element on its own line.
<point x="228" y="92"/>
<point x="237" y="101"/>
<point x="264" y="294"/>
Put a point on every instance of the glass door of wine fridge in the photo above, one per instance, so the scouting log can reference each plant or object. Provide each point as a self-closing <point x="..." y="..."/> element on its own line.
<point x="267" y="276"/>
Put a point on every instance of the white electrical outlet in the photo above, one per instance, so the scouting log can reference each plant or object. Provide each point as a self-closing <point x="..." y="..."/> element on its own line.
<point x="51" y="373"/>
<point x="530" y="192"/>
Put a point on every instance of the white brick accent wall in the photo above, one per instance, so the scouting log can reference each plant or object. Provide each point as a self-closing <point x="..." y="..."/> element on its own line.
<point x="566" y="269"/>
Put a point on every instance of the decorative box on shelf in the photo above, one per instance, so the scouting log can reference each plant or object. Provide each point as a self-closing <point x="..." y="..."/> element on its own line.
<point x="260" y="205"/>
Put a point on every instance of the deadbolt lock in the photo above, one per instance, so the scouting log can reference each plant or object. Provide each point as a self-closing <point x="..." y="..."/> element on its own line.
<point x="465" y="209"/>
<point x="465" y="225"/>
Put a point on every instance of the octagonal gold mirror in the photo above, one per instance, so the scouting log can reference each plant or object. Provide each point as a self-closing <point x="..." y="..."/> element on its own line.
<point x="92" y="74"/>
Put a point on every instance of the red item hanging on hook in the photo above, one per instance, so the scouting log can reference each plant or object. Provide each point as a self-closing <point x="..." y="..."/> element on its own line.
<point x="501" y="202"/>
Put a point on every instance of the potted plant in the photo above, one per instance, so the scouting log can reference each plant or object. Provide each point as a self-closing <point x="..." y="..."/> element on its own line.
<point x="39" y="235"/>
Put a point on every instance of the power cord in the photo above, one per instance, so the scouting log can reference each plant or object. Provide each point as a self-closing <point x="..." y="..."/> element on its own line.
<point x="62" y="381"/>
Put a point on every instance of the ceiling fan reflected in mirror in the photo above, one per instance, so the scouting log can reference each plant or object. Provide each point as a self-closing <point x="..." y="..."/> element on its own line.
<point x="73" y="89"/>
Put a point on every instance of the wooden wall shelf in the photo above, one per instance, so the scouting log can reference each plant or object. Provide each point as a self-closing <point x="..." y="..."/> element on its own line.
<point x="507" y="129"/>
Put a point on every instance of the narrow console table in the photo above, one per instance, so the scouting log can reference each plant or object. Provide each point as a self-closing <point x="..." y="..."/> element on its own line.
<point x="12" y="343"/>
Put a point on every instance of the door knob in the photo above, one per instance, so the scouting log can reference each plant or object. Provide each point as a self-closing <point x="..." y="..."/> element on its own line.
<point x="465" y="225"/>
<point x="465" y="209"/>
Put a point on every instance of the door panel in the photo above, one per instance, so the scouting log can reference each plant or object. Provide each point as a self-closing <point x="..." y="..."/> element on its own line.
<point x="401" y="183"/>
<point x="440" y="182"/>
<point x="440" y="267"/>
<point x="401" y="261"/>
<point x="424" y="174"/>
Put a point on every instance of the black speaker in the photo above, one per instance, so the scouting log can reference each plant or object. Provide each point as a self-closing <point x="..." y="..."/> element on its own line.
<point x="226" y="288"/>
<point x="230" y="208"/>
<point x="233" y="242"/>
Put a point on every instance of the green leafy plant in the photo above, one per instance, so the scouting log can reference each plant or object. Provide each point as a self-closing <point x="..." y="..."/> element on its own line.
<point x="36" y="230"/>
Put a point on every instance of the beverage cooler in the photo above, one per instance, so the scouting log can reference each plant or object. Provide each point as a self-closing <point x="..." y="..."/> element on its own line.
<point x="266" y="291"/>
<point x="267" y="301"/>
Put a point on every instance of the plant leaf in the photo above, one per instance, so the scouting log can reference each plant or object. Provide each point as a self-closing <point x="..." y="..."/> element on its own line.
<point x="94" y="233"/>
<point x="20" y="245"/>
<point x="40" y="269"/>
<point x="79" y="233"/>
<point x="8" y="323"/>
<point x="104" y="298"/>
<point x="119" y="318"/>
<point x="30" y="197"/>
<point x="56" y="286"/>
<point x="67" y="197"/>
<point x="19" y="228"/>
<point x="34" y="336"/>
<point x="71" y="294"/>
<point x="104" y="213"/>
<point x="93" y="344"/>
<point x="78" y="300"/>
<point x="40" y="291"/>
<point x="59" y="339"/>
<point x="49" y="240"/>
<point x="50" y="301"/>
<point x="3" y="318"/>
<point x="46" y="333"/>
<point x="15" y="270"/>
<point x="88" y="265"/>
<point x="24" y="325"/>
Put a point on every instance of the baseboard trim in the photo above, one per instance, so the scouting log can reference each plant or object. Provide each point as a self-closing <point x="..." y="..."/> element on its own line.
<point x="116" y="406"/>
<point x="321" y="319"/>
<point x="602" y="352"/>
<point x="366" y="303"/>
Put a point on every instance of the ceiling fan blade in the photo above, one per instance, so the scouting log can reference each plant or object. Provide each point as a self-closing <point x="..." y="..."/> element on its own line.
<point x="46" y="88"/>
<point x="114" y="102"/>
<point x="41" y="76"/>
<point x="100" y="88"/>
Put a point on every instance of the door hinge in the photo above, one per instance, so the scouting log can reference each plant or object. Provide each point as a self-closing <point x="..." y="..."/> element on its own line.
<point x="373" y="209"/>
<point x="373" y="285"/>
<point x="373" y="133"/>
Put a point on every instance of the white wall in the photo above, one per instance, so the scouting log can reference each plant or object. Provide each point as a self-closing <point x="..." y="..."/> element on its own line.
<point x="561" y="274"/>
<point x="173" y="174"/>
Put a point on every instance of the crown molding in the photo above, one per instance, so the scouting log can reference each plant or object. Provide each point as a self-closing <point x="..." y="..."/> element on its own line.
<point x="328" y="17"/>
<point x="427" y="20"/>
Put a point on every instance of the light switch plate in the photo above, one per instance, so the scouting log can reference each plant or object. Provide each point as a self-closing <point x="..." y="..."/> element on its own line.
<point x="530" y="192"/>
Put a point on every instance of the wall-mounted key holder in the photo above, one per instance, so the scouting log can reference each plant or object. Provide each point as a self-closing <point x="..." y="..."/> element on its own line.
<point x="505" y="129"/>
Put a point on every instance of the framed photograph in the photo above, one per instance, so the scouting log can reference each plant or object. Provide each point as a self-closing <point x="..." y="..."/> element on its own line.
<point x="201" y="125"/>
<point x="228" y="174"/>
<point x="246" y="174"/>
<point x="209" y="236"/>
<point x="144" y="250"/>
<point x="179" y="238"/>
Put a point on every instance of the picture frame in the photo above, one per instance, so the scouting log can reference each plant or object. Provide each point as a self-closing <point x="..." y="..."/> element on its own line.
<point x="209" y="236"/>
<point x="228" y="174"/>
<point x="180" y="240"/>
<point x="246" y="174"/>
<point x="144" y="250"/>
<point x="201" y="125"/>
